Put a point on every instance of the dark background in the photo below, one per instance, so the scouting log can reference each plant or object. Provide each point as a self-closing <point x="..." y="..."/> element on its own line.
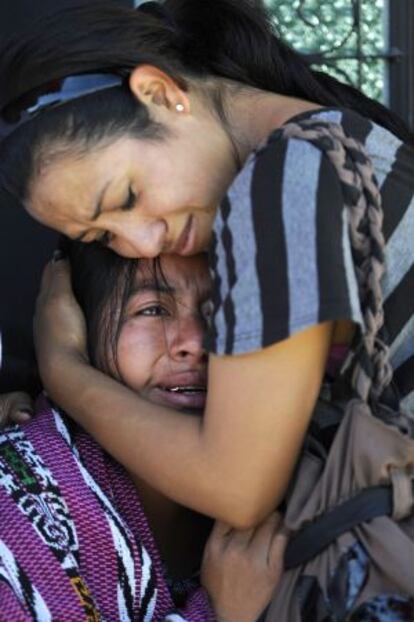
<point x="25" y="247"/>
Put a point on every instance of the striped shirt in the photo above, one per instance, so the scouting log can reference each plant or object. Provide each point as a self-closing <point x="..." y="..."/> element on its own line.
<point x="281" y="256"/>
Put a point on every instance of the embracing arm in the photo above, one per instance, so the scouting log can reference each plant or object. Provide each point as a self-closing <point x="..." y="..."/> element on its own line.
<point x="236" y="462"/>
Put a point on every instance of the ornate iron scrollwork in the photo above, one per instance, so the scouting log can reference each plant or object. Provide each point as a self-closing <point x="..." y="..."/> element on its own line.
<point x="344" y="37"/>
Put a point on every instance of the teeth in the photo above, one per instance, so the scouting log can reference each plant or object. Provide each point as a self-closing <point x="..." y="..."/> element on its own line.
<point x="189" y="389"/>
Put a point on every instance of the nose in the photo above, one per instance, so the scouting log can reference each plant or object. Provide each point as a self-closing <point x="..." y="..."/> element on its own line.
<point x="140" y="240"/>
<point x="187" y="342"/>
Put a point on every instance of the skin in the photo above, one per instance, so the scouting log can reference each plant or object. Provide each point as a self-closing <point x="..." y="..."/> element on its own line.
<point x="160" y="345"/>
<point x="16" y="407"/>
<point x="231" y="465"/>
<point x="231" y="557"/>
<point x="141" y="214"/>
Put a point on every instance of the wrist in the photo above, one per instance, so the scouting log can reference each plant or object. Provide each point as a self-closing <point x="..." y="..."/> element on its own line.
<point x="66" y="364"/>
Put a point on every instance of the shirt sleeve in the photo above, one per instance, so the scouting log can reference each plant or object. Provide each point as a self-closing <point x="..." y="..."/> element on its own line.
<point x="281" y="257"/>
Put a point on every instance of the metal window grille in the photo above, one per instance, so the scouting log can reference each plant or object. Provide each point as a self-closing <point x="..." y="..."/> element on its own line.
<point x="347" y="38"/>
<point x="367" y="43"/>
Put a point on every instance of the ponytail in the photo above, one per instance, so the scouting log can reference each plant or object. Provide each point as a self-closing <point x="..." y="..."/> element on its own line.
<point x="236" y="39"/>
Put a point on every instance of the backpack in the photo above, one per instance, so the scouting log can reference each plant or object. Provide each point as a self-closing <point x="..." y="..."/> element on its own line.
<point x="349" y="509"/>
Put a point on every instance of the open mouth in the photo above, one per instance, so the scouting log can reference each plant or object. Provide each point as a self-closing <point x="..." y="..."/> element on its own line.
<point x="191" y="396"/>
<point x="186" y="389"/>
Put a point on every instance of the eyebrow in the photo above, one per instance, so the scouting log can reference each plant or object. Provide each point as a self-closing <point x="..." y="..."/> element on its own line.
<point x="152" y="286"/>
<point x="97" y="212"/>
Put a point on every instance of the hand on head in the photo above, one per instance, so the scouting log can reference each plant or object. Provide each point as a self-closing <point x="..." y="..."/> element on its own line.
<point x="59" y="325"/>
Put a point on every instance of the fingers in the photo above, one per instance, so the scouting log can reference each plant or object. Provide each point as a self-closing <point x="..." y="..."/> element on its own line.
<point x="60" y="276"/>
<point x="222" y="535"/>
<point x="258" y="540"/>
<point x="241" y="537"/>
<point x="265" y="544"/>
<point x="47" y="272"/>
<point x="56" y="278"/>
<point x="218" y="539"/>
<point x="277" y="549"/>
<point x="265" y="533"/>
<point x="59" y="326"/>
<point x="221" y="530"/>
<point x="15" y="408"/>
<point x="21" y="416"/>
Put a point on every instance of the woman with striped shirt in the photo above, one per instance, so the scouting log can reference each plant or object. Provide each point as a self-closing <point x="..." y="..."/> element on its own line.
<point x="182" y="148"/>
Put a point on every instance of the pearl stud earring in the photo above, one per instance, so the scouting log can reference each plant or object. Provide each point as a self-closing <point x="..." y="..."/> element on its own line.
<point x="179" y="108"/>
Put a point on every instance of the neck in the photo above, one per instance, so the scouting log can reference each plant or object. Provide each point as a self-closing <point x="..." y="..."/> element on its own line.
<point x="180" y="533"/>
<point x="254" y="114"/>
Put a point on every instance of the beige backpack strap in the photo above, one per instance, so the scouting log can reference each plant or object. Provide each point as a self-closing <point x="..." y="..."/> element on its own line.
<point x="371" y="370"/>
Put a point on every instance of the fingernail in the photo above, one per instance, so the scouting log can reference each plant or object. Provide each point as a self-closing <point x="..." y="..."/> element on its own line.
<point x="57" y="255"/>
<point x="25" y="415"/>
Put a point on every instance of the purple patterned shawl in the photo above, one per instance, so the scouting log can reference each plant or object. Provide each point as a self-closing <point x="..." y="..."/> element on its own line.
<point x="74" y="541"/>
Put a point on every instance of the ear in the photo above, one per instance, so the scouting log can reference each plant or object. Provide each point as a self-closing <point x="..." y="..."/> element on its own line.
<point x="153" y="87"/>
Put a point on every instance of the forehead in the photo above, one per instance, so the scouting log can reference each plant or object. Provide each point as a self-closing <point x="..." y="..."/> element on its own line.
<point x="181" y="274"/>
<point x="64" y="189"/>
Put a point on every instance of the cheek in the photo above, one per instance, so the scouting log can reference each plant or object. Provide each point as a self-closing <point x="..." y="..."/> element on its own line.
<point x="140" y="346"/>
<point x="171" y="188"/>
<point x="122" y="247"/>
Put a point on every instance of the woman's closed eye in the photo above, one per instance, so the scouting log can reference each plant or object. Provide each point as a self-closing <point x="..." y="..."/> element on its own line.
<point x="130" y="201"/>
<point x="107" y="237"/>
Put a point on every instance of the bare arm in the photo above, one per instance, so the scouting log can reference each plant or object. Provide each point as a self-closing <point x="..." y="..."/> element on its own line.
<point x="236" y="463"/>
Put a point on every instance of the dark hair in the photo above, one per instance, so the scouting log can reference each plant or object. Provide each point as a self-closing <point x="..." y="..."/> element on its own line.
<point x="228" y="39"/>
<point x="102" y="282"/>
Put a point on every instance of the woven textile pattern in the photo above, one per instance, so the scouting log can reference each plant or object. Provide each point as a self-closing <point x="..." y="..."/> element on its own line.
<point x="74" y="541"/>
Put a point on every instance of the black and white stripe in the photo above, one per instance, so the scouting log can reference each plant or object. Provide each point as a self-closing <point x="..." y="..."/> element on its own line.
<point x="283" y="258"/>
<point x="12" y="573"/>
<point x="122" y="539"/>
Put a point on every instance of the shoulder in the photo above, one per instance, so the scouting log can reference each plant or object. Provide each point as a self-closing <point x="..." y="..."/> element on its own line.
<point x="283" y="171"/>
<point x="281" y="257"/>
<point x="300" y="159"/>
